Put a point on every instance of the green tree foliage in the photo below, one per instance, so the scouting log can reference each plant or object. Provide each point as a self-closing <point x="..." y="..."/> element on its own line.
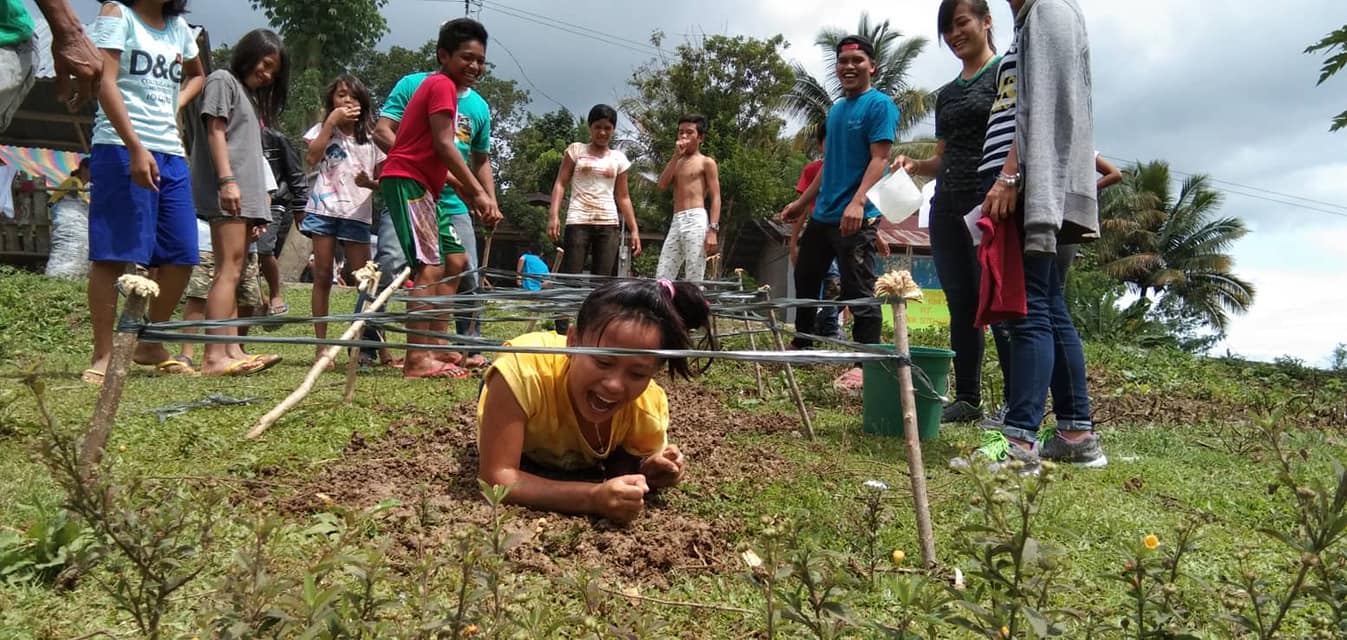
<point x="1172" y="246"/>
<point x="529" y="167"/>
<point x="1333" y="45"/>
<point x="738" y="83"/>
<point x="535" y="151"/>
<point x="810" y="99"/>
<point x="325" y="38"/>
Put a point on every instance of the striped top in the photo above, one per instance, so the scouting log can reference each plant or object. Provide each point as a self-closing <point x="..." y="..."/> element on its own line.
<point x="1001" y="123"/>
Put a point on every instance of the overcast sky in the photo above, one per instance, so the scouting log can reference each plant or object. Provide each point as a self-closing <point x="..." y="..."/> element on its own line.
<point x="1213" y="86"/>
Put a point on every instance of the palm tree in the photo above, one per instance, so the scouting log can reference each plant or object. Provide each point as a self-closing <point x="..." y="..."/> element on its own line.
<point x="1172" y="246"/>
<point x="811" y="99"/>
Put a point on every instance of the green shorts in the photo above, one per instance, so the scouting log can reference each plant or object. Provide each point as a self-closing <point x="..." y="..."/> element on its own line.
<point x="249" y="292"/>
<point x="426" y="234"/>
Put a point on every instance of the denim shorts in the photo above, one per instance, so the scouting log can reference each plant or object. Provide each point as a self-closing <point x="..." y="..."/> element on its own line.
<point x="128" y="223"/>
<point x="343" y="229"/>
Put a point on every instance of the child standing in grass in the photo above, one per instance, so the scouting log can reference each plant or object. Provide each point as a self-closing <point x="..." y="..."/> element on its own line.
<point x="693" y="233"/>
<point x="341" y="204"/>
<point x="425" y="157"/>
<point x="581" y="412"/>
<point x="229" y="174"/>
<point x="141" y="210"/>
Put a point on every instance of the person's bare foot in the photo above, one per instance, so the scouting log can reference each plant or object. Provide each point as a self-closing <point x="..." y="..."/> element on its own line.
<point x="149" y="354"/>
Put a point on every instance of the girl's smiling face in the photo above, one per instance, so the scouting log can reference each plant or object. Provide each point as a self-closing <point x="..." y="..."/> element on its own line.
<point x="967" y="36"/>
<point x="600" y="385"/>
<point x="264" y="73"/>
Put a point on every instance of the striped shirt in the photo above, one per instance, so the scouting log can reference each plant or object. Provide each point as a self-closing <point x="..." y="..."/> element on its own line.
<point x="1001" y="123"/>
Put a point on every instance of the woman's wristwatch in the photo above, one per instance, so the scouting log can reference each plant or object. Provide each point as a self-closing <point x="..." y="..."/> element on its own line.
<point x="714" y="226"/>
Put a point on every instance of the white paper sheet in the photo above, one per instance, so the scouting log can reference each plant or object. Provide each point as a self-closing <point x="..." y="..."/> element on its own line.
<point x="972" y="221"/>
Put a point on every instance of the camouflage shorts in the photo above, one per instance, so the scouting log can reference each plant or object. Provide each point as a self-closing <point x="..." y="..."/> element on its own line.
<point x="249" y="291"/>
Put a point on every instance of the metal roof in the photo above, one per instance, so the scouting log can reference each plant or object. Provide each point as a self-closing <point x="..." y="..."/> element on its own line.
<point x="44" y="121"/>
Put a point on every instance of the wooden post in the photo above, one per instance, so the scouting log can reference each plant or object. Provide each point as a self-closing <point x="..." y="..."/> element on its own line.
<point x="321" y="365"/>
<point x="139" y="291"/>
<point x="915" y="465"/>
<point x="790" y="371"/>
<point x="753" y="343"/>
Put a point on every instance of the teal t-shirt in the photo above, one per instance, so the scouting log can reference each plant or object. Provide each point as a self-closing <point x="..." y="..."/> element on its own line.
<point x="473" y="123"/>
<point x="150" y="74"/>
<point x="853" y="125"/>
<point x="16" y="26"/>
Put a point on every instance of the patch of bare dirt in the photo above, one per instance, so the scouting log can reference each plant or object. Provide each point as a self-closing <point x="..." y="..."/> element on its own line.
<point x="428" y="460"/>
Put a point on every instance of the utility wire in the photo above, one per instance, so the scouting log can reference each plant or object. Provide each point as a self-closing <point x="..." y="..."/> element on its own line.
<point x="600" y="33"/>
<point x="1281" y="198"/>
<point x="635" y="46"/>
<point x="497" y="42"/>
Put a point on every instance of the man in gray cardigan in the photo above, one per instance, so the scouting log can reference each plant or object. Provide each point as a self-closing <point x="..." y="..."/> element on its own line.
<point x="1039" y="168"/>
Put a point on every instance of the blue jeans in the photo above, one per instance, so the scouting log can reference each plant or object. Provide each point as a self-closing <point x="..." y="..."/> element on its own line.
<point x="1045" y="352"/>
<point x="388" y="255"/>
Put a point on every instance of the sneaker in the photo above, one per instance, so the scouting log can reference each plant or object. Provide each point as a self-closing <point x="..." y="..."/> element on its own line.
<point x="1084" y="453"/>
<point x="1000" y="454"/>
<point x="850" y="382"/>
<point x="960" y="411"/>
<point x="994" y="421"/>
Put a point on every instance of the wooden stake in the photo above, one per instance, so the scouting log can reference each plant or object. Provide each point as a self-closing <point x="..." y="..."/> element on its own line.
<point x="753" y="343"/>
<point x="321" y="365"/>
<point x="790" y="371"/>
<point x="139" y="291"/>
<point x="916" y="466"/>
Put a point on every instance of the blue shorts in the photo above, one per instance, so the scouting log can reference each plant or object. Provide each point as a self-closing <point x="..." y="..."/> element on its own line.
<point x="343" y="229"/>
<point x="128" y="223"/>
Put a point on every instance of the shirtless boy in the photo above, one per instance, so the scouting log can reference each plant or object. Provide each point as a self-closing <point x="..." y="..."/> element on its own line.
<point x="694" y="177"/>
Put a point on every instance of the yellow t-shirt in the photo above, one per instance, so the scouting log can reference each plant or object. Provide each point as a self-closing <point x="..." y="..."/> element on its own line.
<point x="552" y="433"/>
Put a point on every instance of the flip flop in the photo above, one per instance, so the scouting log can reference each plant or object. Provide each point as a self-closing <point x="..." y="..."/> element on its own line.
<point x="268" y="360"/>
<point x="278" y="310"/>
<point x="185" y="360"/>
<point x="476" y="361"/>
<point x="241" y="367"/>
<point x="93" y="377"/>
<point x="451" y="371"/>
<point x="173" y="366"/>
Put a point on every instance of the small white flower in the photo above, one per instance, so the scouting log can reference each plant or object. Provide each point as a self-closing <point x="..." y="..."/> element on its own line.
<point x="876" y="485"/>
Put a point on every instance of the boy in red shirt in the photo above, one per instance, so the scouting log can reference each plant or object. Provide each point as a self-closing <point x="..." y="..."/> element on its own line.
<point x="423" y="159"/>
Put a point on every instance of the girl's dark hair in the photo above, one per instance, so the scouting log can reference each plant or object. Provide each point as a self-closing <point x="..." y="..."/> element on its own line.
<point x="602" y="112"/>
<point x="248" y="53"/>
<point x="649" y="302"/>
<point x="84" y="164"/>
<point x="944" y="17"/>
<point x="174" y="8"/>
<point x="365" y="124"/>
<point x="458" y="31"/>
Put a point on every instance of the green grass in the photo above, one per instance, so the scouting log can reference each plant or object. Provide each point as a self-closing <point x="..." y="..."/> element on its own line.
<point x="1162" y="473"/>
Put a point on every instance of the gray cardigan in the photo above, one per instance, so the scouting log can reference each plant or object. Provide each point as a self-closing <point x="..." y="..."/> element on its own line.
<point x="1054" y="126"/>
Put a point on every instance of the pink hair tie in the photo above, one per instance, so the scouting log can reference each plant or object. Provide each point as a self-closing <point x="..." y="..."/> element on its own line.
<point x="668" y="287"/>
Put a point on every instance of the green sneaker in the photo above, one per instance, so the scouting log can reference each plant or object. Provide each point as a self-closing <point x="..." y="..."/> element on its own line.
<point x="1000" y="454"/>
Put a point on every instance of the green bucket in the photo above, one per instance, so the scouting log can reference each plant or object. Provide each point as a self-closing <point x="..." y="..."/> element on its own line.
<point x="883" y="401"/>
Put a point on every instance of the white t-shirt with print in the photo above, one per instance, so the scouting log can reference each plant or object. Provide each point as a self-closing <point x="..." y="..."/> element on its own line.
<point x="333" y="192"/>
<point x="593" y="183"/>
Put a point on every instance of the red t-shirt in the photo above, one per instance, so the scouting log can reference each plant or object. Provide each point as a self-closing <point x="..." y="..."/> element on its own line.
<point x="807" y="175"/>
<point x="413" y="154"/>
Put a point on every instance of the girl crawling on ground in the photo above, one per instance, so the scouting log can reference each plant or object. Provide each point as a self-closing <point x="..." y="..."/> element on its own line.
<point x="575" y="413"/>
